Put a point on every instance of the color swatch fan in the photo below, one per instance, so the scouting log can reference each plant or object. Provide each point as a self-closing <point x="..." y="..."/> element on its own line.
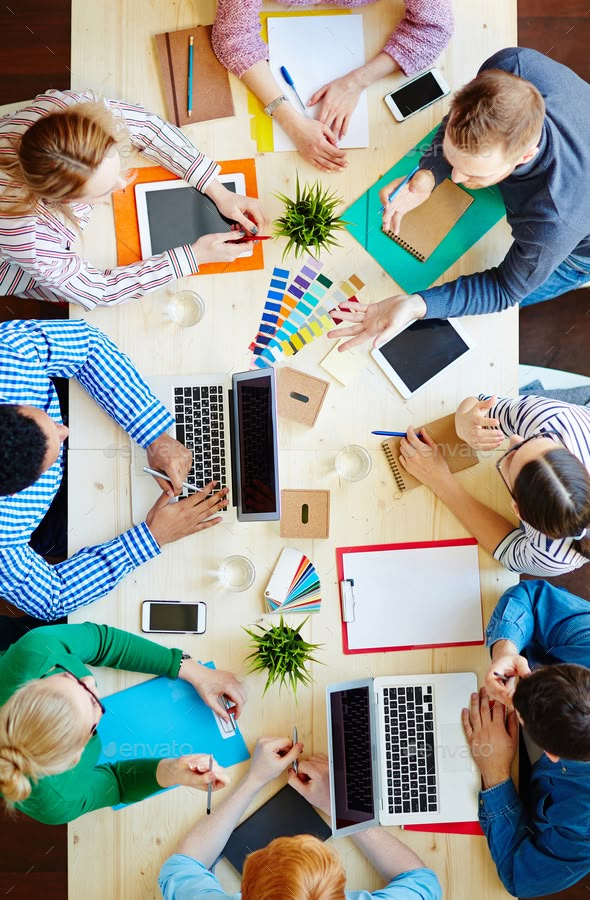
<point x="294" y="585"/>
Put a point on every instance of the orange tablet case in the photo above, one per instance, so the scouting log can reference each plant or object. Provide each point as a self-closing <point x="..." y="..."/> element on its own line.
<point x="127" y="228"/>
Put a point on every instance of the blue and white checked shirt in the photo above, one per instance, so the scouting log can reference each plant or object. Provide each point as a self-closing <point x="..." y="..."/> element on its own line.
<point x="31" y="353"/>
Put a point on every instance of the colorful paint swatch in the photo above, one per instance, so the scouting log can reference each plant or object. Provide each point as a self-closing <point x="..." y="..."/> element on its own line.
<point x="274" y="299"/>
<point x="282" y="307"/>
<point x="301" y="311"/>
<point x="323" y="318"/>
<point x="294" y="585"/>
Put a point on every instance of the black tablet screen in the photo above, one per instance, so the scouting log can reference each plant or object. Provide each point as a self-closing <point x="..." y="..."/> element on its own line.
<point x="423" y="350"/>
<point x="181" y="216"/>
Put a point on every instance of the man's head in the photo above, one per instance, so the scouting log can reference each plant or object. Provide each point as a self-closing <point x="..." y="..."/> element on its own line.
<point x="495" y="124"/>
<point x="553" y="704"/>
<point x="29" y="445"/>
<point x="300" y="868"/>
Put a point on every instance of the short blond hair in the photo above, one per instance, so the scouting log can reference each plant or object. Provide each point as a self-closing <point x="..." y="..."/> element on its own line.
<point x="496" y="109"/>
<point x="40" y="734"/>
<point x="297" y="868"/>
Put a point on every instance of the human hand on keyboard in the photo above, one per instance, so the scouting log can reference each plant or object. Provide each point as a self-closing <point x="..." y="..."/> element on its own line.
<point x="492" y="737"/>
<point x="171" y="457"/>
<point x="313" y="781"/>
<point x="172" y="521"/>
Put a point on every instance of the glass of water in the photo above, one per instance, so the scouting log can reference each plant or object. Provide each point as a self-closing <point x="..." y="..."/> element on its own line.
<point x="185" y="308"/>
<point x="353" y="462"/>
<point x="237" y="573"/>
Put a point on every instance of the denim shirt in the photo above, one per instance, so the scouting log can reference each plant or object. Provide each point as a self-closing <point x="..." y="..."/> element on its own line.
<point x="544" y="847"/>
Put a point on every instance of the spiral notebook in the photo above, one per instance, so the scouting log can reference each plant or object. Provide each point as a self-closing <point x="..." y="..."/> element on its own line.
<point x="423" y="229"/>
<point x="458" y="454"/>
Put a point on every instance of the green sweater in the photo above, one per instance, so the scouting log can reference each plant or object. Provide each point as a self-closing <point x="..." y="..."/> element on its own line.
<point x="56" y="799"/>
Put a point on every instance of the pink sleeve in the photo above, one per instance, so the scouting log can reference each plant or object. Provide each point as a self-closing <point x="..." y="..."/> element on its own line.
<point x="421" y="36"/>
<point x="236" y="35"/>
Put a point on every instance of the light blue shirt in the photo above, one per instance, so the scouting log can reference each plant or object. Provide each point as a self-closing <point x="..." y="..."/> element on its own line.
<point x="31" y="354"/>
<point x="184" y="878"/>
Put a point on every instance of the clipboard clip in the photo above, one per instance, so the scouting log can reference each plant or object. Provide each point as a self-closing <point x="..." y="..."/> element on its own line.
<point x="347" y="599"/>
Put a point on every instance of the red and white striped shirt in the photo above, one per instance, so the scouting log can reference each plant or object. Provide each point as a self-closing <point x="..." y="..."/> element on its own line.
<point x="37" y="258"/>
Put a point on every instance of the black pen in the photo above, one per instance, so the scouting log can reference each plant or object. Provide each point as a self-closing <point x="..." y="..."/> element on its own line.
<point x="295" y="765"/>
<point x="210" y="786"/>
<point x="504" y="678"/>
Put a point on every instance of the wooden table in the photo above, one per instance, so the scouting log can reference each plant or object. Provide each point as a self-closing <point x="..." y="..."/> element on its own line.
<point x="118" y="855"/>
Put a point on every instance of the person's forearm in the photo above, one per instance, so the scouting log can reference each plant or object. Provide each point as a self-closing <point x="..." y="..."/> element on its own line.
<point x="487" y="526"/>
<point x="260" y="80"/>
<point x="504" y="648"/>
<point x="386" y="853"/>
<point x="209" y="836"/>
<point x="377" y="68"/>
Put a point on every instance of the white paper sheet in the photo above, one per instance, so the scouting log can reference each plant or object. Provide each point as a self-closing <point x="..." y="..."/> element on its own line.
<point x="417" y="597"/>
<point x="316" y="50"/>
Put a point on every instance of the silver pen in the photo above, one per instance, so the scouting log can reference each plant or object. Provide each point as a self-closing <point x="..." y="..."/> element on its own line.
<point x="295" y="765"/>
<point x="229" y="705"/>
<point x="157" y="474"/>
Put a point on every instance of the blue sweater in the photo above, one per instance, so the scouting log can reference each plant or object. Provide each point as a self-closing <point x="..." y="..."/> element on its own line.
<point x="543" y="847"/>
<point x="547" y="200"/>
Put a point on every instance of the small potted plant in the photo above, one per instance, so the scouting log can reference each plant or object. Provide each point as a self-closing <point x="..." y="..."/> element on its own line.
<point x="283" y="653"/>
<point x="309" y="222"/>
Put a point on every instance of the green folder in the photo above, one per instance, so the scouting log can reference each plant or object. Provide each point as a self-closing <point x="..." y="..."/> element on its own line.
<point x="412" y="275"/>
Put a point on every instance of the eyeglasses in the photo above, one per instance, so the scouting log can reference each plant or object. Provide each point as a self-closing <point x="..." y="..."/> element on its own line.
<point x="533" y="437"/>
<point x="83" y="684"/>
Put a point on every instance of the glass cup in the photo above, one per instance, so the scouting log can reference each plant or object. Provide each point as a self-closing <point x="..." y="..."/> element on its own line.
<point x="237" y="573"/>
<point x="353" y="462"/>
<point x="185" y="308"/>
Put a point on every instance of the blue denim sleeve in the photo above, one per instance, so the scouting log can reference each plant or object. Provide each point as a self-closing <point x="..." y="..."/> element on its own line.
<point x="548" y="617"/>
<point x="530" y="862"/>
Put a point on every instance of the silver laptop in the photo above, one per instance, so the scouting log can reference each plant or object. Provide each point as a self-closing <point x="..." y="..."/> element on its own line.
<point x="397" y="751"/>
<point x="232" y="434"/>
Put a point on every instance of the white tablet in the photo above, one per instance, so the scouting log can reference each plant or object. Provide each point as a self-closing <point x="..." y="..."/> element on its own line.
<point x="172" y="213"/>
<point x="421" y="352"/>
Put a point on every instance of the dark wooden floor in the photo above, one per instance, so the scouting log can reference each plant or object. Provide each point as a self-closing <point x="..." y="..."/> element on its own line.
<point x="35" y="55"/>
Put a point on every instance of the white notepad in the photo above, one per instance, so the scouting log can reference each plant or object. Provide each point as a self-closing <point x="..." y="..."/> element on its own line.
<point x="423" y="596"/>
<point x="316" y="50"/>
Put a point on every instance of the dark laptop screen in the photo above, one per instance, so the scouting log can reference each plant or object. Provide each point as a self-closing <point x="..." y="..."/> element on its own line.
<point x="257" y="445"/>
<point x="352" y="756"/>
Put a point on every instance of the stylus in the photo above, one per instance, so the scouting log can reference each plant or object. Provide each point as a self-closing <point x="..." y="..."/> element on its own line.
<point x="400" y="186"/>
<point x="157" y="474"/>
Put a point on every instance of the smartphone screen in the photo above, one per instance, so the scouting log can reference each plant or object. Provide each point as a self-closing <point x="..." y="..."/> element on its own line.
<point x="418" y="93"/>
<point x="177" y="617"/>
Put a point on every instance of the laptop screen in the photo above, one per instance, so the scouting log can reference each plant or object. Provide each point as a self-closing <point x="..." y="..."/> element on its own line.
<point x="353" y="800"/>
<point x="256" y="469"/>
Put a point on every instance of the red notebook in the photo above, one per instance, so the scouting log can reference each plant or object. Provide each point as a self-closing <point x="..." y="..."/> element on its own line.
<point x="409" y="596"/>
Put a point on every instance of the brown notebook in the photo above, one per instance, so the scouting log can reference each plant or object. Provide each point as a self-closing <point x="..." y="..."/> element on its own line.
<point x="457" y="453"/>
<point x="424" y="228"/>
<point x="212" y="97"/>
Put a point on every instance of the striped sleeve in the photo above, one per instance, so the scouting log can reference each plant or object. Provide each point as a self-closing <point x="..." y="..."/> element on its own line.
<point x="165" y="144"/>
<point x="527" y="550"/>
<point x="49" y="592"/>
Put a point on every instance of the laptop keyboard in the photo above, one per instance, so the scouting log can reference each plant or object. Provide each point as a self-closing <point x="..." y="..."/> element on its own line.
<point x="410" y="749"/>
<point x="200" y="426"/>
<point x="356" y="731"/>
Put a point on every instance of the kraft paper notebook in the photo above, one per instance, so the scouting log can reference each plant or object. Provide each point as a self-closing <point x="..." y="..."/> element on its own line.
<point x="212" y="98"/>
<point x="457" y="453"/>
<point x="410" y="273"/>
<point x="423" y="229"/>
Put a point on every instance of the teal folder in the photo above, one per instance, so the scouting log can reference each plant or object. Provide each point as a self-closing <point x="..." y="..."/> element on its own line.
<point x="412" y="275"/>
<point x="164" y="717"/>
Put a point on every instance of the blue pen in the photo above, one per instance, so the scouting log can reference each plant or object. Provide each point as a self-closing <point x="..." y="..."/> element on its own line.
<point x="289" y="81"/>
<point x="189" y="102"/>
<point x="400" y="186"/>
<point x="390" y="433"/>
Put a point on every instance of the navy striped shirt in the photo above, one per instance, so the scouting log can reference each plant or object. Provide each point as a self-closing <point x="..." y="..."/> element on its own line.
<point x="525" y="549"/>
<point x="31" y="353"/>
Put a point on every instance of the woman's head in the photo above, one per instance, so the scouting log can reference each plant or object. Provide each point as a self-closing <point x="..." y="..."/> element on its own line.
<point x="309" y="869"/>
<point x="68" y="156"/>
<point x="44" y="728"/>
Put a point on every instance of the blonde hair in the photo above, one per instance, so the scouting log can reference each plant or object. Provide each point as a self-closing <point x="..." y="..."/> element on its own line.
<point x="496" y="108"/>
<point x="52" y="161"/>
<point x="300" y="868"/>
<point x="40" y="734"/>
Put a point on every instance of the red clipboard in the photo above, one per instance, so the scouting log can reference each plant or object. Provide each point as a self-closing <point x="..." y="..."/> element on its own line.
<point x="340" y="551"/>
<point x="449" y="828"/>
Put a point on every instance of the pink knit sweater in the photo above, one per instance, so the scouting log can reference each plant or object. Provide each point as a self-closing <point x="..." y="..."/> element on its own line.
<point x="421" y="35"/>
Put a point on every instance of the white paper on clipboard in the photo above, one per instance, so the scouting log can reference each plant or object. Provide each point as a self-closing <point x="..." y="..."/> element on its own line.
<point x="425" y="596"/>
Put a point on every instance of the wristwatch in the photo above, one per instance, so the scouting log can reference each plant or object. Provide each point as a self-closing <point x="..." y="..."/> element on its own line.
<point x="269" y="110"/>
<point x="184" y="656"/>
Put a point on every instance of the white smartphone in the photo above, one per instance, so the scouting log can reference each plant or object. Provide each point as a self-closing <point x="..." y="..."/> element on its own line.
<point x="173" y="616"/>
<point x="416" y="94"/>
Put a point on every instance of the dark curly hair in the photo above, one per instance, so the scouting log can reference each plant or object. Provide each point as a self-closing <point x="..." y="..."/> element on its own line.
<point x="554" y="704"/>
<point x="23" y="446"/>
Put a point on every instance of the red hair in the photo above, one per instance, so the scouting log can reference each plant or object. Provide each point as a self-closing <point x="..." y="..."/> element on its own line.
<point x="297" y="868"/>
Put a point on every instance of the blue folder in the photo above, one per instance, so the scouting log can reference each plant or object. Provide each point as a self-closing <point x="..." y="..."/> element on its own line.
<point x="412" y="275"/>
<point x="160" y="718"/>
